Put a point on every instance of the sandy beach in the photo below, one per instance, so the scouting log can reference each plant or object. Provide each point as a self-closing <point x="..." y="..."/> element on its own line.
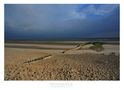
<point x="61" y="62"/>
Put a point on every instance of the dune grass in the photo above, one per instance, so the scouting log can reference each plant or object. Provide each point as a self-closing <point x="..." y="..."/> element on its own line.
<point x="97" y="46"/>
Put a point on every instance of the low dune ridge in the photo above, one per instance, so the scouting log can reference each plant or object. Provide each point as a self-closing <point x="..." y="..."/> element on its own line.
<point x="78" y="62"/>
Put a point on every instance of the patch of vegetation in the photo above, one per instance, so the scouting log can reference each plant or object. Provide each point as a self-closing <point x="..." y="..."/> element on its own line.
<point x="97" y="46"/>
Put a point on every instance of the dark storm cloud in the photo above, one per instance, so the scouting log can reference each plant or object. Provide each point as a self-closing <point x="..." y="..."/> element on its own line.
<point x="61" y="21"/>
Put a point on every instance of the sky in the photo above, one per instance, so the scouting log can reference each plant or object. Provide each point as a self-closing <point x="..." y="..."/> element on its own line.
<point x="61" y="21"/>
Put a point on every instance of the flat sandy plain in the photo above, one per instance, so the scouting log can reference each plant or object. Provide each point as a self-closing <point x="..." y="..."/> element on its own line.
<point x="61" y="61"/>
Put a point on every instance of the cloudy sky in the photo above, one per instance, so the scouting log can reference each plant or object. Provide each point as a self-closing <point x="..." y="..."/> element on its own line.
<point x="61" y="21"/>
